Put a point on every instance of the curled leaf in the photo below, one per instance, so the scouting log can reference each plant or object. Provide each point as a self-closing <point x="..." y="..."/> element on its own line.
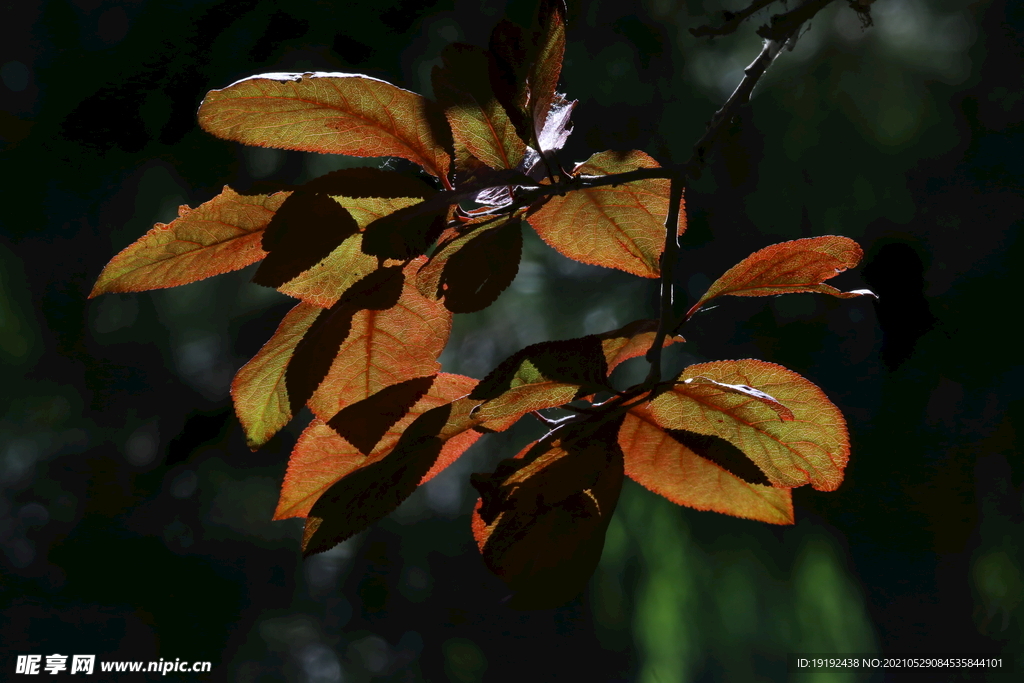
<point x="218" y="236"/>
<point x="796" y="266"/>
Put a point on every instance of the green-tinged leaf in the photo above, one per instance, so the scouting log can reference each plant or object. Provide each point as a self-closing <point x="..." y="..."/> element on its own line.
<point x="258" y="389"/>
<point x="324" y="283"/>
<point x="364" y="423"/>
<point x="619" y="226"/>
<point x="812" y="448"/>
<point x="702" y="472"/>
<point x="321" y="457"/>
<point x="480" y="126"/>
<point x="218" y="236"/>
<point x="303" y="232"/>
<point x="384" y="348"/>
<point x="796" y="266"/>
<point x="542" y="517"/>
<point x="333" y="113"/>
<point x="546" y="62"/>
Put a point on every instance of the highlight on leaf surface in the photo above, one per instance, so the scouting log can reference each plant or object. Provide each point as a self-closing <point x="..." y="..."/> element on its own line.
<point x="218" y="236"/>
<point x="812" y="448"/>
<point x="542" y="516"/>
<point x="797" y="266"/>
<point x="702" y="472"/>
<point x="619" y="226"/>
<point x="331" y="113"/>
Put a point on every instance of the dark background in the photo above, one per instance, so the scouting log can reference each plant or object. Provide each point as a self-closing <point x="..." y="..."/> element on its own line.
<point x="134" y="521"/>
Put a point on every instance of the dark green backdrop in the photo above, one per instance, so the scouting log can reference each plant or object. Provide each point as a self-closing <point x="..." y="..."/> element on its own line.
<point x="134" y="522"/>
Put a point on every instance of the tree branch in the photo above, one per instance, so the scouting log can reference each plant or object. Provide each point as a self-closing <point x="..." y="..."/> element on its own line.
<point x="669" y="256"/>
<point x="732" y="20"/>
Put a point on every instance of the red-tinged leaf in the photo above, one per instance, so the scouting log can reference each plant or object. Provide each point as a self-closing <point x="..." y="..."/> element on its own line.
<point x="384" y="348"/>
<point x="474" y="276"/>
<point x="303" y="232"/>
<point x="324" y="283"/>
<point x="699" y="471"/>
<point x="406" y="233"/>
<point x="631" y="341"/>
<point x="368" y="493"/>
<point x="216" y="237"/>
<point x="258" y="389"/>
<point x="812" y="448"/>
<point x="316" y="351"/>
<point x="321" y="457"/>
<point x="332" y="113"/>
<point x="543" y="515"/>
<point x="797" y="266"/>
<point x="784" y="413"/>
<point x="364" y="423"/>
<point x="480" y="125"/>
<point x="613" y="226"/>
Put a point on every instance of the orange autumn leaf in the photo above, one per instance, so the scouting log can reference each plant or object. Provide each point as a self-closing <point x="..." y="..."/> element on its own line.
<point x="619" y="226"/>
<point x="812" y="448"/>
<point x="218" y="236"/>
<point x="384" y="348"/>
<point x="656" y="460"/>
<point x="321" y="457"/>
<point x="796" y="266"/>
<point x="331" y="113"/>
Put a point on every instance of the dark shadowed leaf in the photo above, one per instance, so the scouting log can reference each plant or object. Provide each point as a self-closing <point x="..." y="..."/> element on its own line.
<point x="333" y="113"/>
<point x="480" y="125"/>
<point x="364" y="423"/>
<point x="216" y="237"/>
<point x="483" y="268"/>
<point x="546" y="60"/>
<point x="699" y="471"/>
<point x="796" y="266"/>
<point x="321" y="457"/>
<point x="572" y="361"/>
<point x="369" y="493"/>
<point x="363" y="182"/>
<point x="543" y="515"/>
<point x="406" y="233"/>
<point x="316" y="351"/>
<point x="812" y="448"/>
<point x="303" y="232"/>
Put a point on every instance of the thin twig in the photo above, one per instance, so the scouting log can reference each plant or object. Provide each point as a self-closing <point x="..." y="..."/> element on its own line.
<point x="732" y="20"/>
<point x="669" y="256"/>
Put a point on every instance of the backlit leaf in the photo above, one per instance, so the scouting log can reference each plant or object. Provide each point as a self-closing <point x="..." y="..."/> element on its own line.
<point x="613" y="226"/>
<point x="406" y="233"/>
<point x="321" y="457"/>
<point x="324" y="283"/>
<point x="384" y="348"/>
<point x="796" y="266"/>
<point x="479" y="123"/>
<point x="216" y="237"/>
<point x="543" y="515"/>
<point x="365" y="422"/>
<point x="258" y="389"/>
<point x="812" y="448"/>
<point x="546" y="62"/>
<point x="689" y="476"/>
<point x="316" y="351"/>
<point x="333" y="113"/>
<point x="303" y="232"/>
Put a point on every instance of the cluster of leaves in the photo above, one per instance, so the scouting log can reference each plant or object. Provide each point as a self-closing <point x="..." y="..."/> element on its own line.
<point x="380" y="260"/>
